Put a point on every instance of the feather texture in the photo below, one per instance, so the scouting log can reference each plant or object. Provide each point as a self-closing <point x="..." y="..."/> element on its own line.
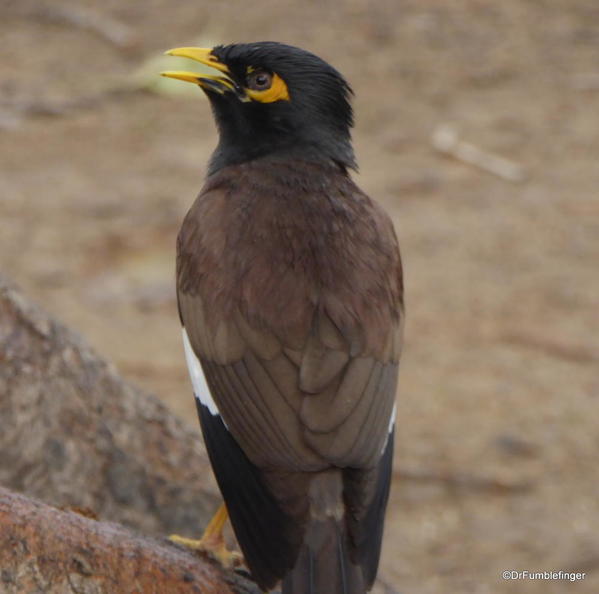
<point x="290" y="289"/>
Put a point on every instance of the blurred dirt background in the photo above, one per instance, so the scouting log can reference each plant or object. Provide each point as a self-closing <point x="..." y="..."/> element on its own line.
<point x="497" y="465"/>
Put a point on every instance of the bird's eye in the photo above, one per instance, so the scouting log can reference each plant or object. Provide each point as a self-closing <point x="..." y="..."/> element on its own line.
<point x="259" y="80"/>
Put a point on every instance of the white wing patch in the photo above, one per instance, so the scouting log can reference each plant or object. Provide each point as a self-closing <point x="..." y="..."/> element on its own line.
<point x="200" y="387"/>
<point x="391" y="426"/>
<point x="392" y="419"/>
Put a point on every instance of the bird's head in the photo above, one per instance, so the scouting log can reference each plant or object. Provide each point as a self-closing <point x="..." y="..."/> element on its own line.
<point x="273" y="99"/>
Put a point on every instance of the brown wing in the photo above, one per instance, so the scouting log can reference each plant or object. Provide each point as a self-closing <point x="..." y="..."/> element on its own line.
<point x="292" y="303"/>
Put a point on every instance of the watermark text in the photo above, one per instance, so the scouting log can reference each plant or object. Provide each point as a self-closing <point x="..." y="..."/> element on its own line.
<point x="570" y="576"/>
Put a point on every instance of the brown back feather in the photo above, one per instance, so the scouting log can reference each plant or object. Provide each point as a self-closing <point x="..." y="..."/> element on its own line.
<point x="289" y="277"/>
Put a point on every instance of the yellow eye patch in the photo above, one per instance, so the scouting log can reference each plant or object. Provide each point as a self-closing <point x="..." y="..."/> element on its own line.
<point x="276" y="92"/>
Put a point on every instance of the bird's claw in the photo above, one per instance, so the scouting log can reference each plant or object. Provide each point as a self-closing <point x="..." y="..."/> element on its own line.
<point x="211" y="546"/>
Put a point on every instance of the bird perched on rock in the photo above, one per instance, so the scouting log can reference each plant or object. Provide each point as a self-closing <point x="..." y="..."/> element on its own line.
<point x="289" y="288"/>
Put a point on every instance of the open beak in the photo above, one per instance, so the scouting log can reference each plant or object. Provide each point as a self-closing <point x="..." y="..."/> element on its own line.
<point x="208" y="82"/>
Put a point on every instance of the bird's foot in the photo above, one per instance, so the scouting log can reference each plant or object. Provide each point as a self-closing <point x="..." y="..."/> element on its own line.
<point x="212" y="542"/>
<point x="211" y="547"/>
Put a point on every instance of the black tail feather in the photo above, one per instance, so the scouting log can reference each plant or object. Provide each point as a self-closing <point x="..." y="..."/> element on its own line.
<point x="366" y="521"/>
<point x="324" y="565"/>
<point x="262" y="528"/>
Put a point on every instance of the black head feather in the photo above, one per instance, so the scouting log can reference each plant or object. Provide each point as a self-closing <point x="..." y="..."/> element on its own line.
<point x="314" y="124"/>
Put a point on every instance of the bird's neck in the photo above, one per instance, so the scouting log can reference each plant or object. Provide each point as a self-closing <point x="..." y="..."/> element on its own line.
<point x="236" y="147"/>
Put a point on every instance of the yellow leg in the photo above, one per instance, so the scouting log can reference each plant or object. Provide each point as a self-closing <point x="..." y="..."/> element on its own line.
<point x="212" y="541"/>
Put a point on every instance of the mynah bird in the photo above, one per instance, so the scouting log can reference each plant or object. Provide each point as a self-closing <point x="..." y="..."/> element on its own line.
<point x="289" y="287"/>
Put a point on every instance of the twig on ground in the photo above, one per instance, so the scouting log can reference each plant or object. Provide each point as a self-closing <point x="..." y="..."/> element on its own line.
<point x="445" y="139"/>
<point x="43" y="108"/>
<point x="84" y="17"/>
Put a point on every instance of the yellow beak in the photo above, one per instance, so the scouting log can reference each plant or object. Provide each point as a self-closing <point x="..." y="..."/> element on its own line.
<point x="199" y="54"/>
<point x="220" y="84"/>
